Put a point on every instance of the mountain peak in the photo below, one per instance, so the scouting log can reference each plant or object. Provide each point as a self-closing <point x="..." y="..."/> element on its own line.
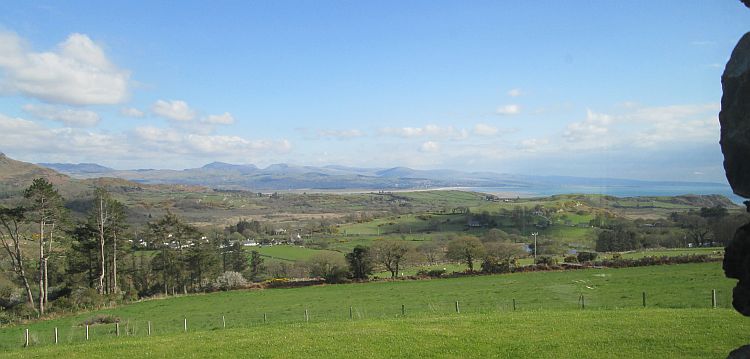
<point x="223" y="166"/>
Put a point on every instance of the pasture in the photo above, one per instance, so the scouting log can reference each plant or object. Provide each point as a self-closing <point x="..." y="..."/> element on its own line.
<point x="606" y="291"/>
<point x="625" y="333"/>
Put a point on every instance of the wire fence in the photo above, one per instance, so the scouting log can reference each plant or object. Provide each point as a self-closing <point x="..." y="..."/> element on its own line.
<point x="195" y="322"/>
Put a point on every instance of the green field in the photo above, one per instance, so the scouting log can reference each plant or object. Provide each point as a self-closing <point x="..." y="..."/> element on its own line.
<point x="628" y="333"/>
<point x="287" y="252"/>
<point x="676" y="286"/>
<point x="674" y="252"/>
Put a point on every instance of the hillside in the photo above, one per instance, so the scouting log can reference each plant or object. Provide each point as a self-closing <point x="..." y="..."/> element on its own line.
<point x="613" y="324"/>
<point x="285" y="177"/>
<point x="17" y="174"/>
<point x="629" y="333"/>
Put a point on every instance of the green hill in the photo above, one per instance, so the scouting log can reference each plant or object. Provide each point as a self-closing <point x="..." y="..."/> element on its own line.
<point x="548" y="301"/>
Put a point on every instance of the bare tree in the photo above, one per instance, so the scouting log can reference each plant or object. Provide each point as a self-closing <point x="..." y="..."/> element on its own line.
<point x="390" y="254"/>
<point x="431" y="252"/>
<point x="46" y="207"/>
<point x="10" y="236"/>
<point x="466" y="249"/>
<point x="101" y="216"/>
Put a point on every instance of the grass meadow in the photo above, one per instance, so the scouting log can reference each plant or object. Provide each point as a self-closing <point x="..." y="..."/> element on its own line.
<point x="547" y="304"/>
<point x="624" y="333"/>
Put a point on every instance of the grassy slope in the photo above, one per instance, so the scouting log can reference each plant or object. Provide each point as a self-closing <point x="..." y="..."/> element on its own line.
<point x="286" y="252"/>
<point x="632" y="333"/>
<point x="677" y="286"/>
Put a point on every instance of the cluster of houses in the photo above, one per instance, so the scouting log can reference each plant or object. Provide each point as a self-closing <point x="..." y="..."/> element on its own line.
<point x="173" y="244"/>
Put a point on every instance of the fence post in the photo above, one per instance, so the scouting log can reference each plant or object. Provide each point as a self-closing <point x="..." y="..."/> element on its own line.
<point x="149" y="327"/>
<point x="307" y="317"/>
<point x="644" y="299"/>
<point x="26" y="338"/>
<point x="583" y="302"/>
<point x="185" y="325"/>
<point x="351" y="314"/>
<point x="117" y="329"/>
<point x="265" y="318"/>
<point x="514" y="303"/>
<point x="55" y="335"/>
<point x="713" y="298"/>
<point x="223" y="322"/>
<point x="458" y="309"/>
<point x="87" y="332"/>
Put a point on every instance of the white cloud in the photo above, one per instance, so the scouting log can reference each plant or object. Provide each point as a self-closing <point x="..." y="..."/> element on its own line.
<point x="430" y="147"/>
<point x="515" y="92"/>
<point x="224" y="119"/>
<point x="646" y="127"/>
<point x="33" y="141"/>
<point x="533" y="144"/>
<point x="482" y="129"/>
<point x="172" y="141"/>
<point x="670" y="113"/>
<point x="340" y="134"/>
<point x="77" y="72"/>
<point x="594" y="127"/>
<point x="426" y="131"/>
<point x="24" y="136"/>
<point x="68" y="116"/>
<point x="174" y="110"/>
<point x="508" y="110"/>
<point x="132" y="112"/>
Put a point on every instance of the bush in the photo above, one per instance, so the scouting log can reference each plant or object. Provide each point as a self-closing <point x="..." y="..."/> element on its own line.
<point x="10" y="296"/>
<point x="5" y="317"/>
<point x="23" y="311"/>
<point x="276" y="282"/>
<point x="329" y="266"/>
<point x="230" y="280"/>
<point x="85" y="298"/>
<point x="571" y="259"/>
<point x="101" y="319"/>
<point x="436" y="273"/>
<point x="492" y="265"/>
<point x="546" y="260"/>
<point x="587" y="256"/>
<point x="650" y="261"/>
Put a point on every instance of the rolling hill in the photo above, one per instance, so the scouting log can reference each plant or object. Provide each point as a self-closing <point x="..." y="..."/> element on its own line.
<point x="283" y="177"/>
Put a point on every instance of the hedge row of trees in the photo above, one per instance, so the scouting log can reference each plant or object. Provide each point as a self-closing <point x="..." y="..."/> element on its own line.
<point x="705" y="227"/>
<point x="493" y="255"/>
<point x="78" y="262"/>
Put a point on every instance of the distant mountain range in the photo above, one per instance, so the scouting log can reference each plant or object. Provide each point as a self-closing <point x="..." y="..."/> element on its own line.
<point x="290" y="177"/>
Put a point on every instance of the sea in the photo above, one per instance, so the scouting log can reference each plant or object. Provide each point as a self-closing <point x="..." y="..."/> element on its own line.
<point x="613" y="190"/>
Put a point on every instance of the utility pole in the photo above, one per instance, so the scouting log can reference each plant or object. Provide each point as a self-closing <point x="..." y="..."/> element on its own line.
<point x="535" y="234"/>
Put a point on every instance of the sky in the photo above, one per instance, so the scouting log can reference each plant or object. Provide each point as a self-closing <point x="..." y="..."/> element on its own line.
<point x="621" y="89"/>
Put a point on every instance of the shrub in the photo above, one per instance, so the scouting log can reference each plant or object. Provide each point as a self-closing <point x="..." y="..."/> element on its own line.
<point x="230" y="280"/>
<point x="587" y="256"/>
<point x="23" y="311"/>
<point x="329" y="266"/>
<point x="571" y="259"/>
<point x="101" y="319"/>
<point x="436" y="273"/>
<point x="10" y="296"/>
<point x="85" y="298"/>
<point x="276" y="282"/>
<point x="493" y="265"/>
<point x="546" y="260"/>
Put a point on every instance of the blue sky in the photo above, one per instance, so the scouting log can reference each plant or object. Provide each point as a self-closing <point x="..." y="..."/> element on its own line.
<point x="590" y="88"/>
